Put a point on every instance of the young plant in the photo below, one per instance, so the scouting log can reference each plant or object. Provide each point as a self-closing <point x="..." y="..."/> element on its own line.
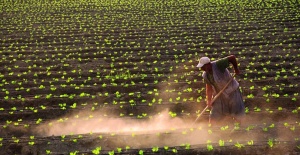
<point x="111" y="152"/>
<point x="221" y="142"/>
<point x="209" y="146"/>
<point x="48" y="152"/>
<point x="155" y="149"/>
<point x="119" y="150"/>
<point x="251" y="142"/>
<point x="97" y="150"/>
<point x="238" y="145"/>
<point x="271" y="142"/>
<point x="74" y="153"/>
<point x="141" y="152"/>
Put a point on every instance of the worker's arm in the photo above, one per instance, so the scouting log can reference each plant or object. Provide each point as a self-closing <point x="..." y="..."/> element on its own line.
<point x="209" y="93"/>
<point x="233" y="61"/>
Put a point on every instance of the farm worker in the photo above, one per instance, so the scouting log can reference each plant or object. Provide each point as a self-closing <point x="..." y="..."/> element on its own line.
<point x="216" y="76"/>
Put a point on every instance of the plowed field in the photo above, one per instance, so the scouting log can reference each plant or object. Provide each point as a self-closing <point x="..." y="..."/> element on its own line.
<point x="120" y="77"/>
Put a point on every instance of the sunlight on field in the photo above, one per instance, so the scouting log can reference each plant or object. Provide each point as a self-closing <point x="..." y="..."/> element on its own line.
<point x="162" y="121"/>
<point x="120" y="76"/>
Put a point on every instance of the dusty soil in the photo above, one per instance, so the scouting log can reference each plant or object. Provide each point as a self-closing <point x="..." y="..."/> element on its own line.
<point x="81" y="78"/>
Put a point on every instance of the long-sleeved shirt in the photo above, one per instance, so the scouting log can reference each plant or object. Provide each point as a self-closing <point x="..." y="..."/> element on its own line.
<point x="220" y="77"/>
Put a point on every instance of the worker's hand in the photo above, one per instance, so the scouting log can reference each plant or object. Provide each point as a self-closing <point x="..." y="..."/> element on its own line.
<point x="209" y="103"/>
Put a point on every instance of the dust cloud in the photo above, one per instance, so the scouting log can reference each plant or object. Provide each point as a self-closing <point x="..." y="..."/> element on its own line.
<point x="174" y="129"/>
<point x="73" y="125"/>
<point x="180" y="130"/>
<point x="161" y="122"/>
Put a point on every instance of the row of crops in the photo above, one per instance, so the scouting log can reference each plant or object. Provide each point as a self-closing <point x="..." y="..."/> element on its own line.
<point x="151" y="143"/>
<point x="104" y="77"/>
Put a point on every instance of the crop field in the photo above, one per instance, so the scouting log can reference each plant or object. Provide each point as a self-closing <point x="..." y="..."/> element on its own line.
<point x="120" y="77"/>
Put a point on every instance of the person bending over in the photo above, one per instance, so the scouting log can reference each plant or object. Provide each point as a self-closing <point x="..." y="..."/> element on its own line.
<point x="216" y="76"/>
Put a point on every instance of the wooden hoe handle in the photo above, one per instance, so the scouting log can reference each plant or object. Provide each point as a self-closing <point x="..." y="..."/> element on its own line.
<point x="214" y="99"/>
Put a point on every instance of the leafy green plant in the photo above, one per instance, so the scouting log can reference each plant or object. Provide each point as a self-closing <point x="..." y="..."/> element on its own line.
<point x="119" y="150"/>
<point x="141" y="152"/>
<point x="238" y="145"/>
<point x="39" y="121"/>
<point x="271" y="142"/>
<point x="48" y="152"/>
<point x="174" y="150"/>
<point x="251" y="142"/>
<point x="172" y="114"/>
<point x="155" y="149"/>
<point x="74" y="153"/>
<point x="209" y="146"/>
<point x="97" y="150"/>
<point x="111" y="152"/>
<point x="221" y="142"/>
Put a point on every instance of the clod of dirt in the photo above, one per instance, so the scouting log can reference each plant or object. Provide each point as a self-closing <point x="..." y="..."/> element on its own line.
<point x="13" y="149"/>
<point x="26" y="150"/>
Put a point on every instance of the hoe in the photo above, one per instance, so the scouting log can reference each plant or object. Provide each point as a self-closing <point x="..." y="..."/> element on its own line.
<point x="214" y="99"/>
